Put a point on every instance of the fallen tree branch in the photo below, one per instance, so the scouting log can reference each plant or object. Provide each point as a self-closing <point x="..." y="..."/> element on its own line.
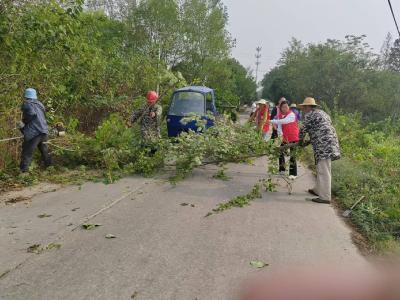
<point x="216" y="162"/>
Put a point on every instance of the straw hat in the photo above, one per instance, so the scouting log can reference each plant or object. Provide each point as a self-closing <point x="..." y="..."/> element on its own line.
<point x="262" y="101"/>
<point x="293" y="105"/>
<point x="309" y="102"/>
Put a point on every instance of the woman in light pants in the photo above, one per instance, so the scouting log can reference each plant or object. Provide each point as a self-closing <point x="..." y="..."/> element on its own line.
<point x="318" y="125"/>
<point x="322" y="187"/>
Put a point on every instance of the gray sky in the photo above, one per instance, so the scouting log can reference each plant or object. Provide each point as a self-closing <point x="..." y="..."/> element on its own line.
<point x="272" y="23"/>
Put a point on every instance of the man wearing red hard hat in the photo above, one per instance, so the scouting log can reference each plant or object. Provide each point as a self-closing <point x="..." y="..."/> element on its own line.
<point x="150" y="118"/>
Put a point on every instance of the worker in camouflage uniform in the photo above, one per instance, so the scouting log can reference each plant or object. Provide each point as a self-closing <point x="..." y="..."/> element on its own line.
<point x="150" y="118"/>
<point x="318" y="125"/>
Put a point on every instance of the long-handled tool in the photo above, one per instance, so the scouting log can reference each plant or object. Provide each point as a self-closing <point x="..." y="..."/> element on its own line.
<point x="11" y="139"/>
<point x="57" y="131"/>
<point x="348" y="212"/>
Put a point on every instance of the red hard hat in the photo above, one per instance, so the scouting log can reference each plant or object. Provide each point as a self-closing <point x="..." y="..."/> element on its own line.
<point x="152" y="96"/>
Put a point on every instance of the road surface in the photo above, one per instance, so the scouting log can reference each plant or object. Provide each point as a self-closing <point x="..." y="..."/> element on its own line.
<point x="163" y="250"/>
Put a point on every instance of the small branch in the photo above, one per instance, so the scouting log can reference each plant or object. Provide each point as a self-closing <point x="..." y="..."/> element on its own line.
<point x="58" y="147"/>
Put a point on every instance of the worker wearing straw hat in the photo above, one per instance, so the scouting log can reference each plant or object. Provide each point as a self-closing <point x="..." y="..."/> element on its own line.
<point x="318" y="125"/>
<point x="262" y="118"/>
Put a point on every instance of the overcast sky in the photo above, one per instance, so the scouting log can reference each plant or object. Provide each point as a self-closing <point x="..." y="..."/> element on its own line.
<point x="272" y="23"/>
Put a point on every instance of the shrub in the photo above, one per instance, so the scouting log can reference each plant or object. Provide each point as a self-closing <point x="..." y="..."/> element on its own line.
<point x="370" y="168"/>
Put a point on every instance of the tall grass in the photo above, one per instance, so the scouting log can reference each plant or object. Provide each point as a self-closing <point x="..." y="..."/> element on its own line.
<point x="370" y="167"/>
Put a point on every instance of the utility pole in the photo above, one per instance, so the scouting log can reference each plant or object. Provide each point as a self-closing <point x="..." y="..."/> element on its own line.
<point x="258" y="61"/>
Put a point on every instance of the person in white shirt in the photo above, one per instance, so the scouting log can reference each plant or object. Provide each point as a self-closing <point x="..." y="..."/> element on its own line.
<point x="288" y="129"/>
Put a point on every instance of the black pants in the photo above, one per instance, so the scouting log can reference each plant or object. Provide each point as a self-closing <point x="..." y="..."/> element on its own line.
<point x="27" y="151"/>
<point x="274" y="134"/>
<point x="292" y="164"/>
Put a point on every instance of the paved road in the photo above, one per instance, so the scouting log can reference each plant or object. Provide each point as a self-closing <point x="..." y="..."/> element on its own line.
<point x="163" y="250"/>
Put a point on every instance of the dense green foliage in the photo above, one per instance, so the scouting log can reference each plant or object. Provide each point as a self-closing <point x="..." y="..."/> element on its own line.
<point x="361" y="91"/>
<point x="87" y="62"/>
<point x="370" y="167"/>
<point x="341" y="74"/>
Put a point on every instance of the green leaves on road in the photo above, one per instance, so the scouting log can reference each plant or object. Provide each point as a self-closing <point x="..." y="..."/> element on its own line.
<point x="258" y="264"/>
<point x="37" y="248"/>
<point x="44" y="216"/>
<point x="221" y="175"/>
<point x="134" y="295"/>
<point x="90" y="226"/>
<point x="239" y="201"/>
<point x="53" y="246"/>
<point x="187" y="204"/>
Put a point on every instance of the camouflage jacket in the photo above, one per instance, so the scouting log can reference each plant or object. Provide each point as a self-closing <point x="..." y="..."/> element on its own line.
<point x="150" y="127"/>
<point x="322" y="134"/>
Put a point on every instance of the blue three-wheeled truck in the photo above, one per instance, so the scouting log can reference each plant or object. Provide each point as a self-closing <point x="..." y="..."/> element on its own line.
<point x="192" y="100"/>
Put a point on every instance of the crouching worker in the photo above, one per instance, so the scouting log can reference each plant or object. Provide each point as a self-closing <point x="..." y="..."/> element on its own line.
<point x="318" y="125"/>
<point x="288" y="129"/>
<point x="35" y="130"/>
<point x="150" y="119"/>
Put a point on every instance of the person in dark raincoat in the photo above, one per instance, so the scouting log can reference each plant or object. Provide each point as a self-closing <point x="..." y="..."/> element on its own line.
<point x="35" y="130"/>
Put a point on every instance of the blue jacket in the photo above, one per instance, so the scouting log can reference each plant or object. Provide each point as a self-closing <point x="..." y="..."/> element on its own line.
<point x="33" y="116"/>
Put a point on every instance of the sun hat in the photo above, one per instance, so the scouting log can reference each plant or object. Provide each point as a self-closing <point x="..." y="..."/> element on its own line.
<point x="309" y="102"/>
<point x="293" y="105"/>
<point x="262" y="101"/>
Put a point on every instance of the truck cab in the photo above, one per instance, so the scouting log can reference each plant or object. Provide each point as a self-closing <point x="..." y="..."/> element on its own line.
<point x="189" y="101"/>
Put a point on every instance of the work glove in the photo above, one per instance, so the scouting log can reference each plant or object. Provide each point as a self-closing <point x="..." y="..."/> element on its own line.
<point x="20" y="125"/>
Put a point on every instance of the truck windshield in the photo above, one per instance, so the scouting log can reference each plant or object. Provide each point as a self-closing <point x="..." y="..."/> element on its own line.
<point x="186" y="103"/>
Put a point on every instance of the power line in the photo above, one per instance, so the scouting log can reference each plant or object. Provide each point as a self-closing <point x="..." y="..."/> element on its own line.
<point x="394" y="17"/>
